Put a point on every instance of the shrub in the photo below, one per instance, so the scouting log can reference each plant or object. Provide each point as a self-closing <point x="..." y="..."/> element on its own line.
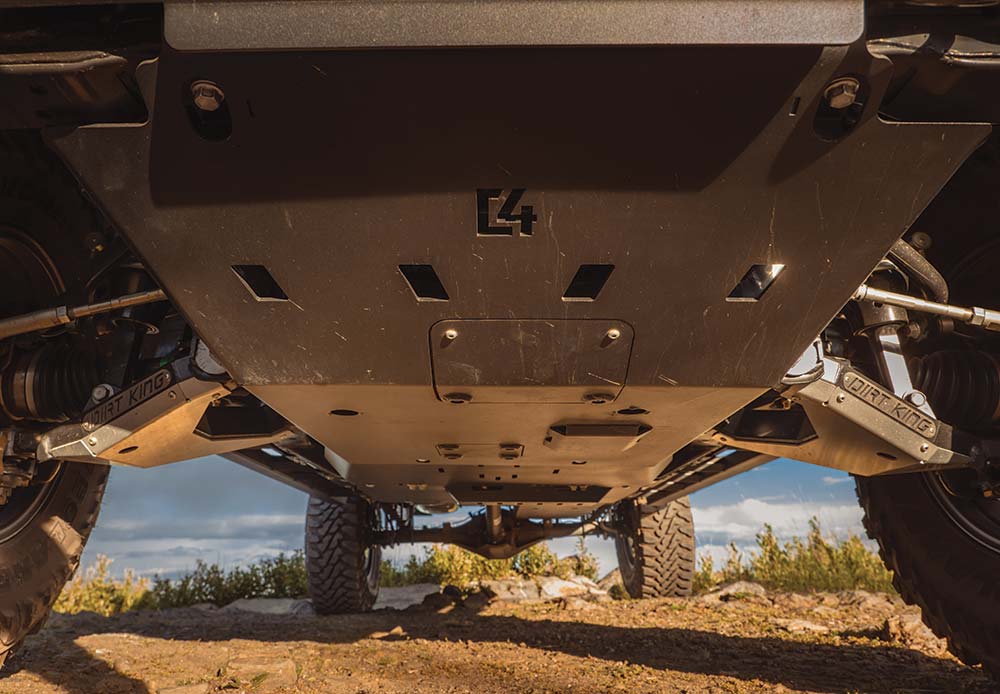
<point x="95" y="591"/>
<point x="448" y="564"/>
<point x="283" y="576"/>
<point x="812" y="564"/>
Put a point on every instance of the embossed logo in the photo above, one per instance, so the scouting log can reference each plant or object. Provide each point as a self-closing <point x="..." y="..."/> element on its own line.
<point x="887" y="402"/>
<point x="496" y="213"/>
<point x="126" y="400"/>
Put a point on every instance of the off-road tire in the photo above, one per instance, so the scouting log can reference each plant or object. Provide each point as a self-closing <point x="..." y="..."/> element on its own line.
<point x="656" y="552"/>
<point x="341" y="565"/>
<point x="38" y="560"/>
<point x="41" y="200"/>
<point x="936" y="565"/>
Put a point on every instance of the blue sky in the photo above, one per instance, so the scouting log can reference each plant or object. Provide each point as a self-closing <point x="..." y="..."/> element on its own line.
<point x="163" y="519"/>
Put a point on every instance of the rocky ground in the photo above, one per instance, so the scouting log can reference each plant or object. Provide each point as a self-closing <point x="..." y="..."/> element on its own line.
<point x="509" y="638"/>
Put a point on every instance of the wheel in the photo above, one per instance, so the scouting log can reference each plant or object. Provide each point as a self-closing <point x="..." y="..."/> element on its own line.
<point x="342" y="565"/>
<point x="44" y="260"/>
<point x="655" y="546"/>
<point x="43" y="528"/>
<point x="941" y="539"/>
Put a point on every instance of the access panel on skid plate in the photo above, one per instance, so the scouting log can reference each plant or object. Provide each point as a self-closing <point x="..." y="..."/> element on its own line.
<point x="530" y="361"/>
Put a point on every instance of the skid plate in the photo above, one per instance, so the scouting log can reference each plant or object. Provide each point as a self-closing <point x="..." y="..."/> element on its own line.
<point x="386" y="192"/>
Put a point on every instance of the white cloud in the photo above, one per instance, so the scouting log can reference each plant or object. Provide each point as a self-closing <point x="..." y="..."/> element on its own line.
<point x="740" y="522"/>
<point x="830" y="481"/>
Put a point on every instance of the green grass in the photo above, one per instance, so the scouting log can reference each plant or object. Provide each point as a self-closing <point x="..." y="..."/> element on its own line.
<point x="813" y="563"/>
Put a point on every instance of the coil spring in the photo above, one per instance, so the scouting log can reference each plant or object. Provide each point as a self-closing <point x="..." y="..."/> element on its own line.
<point x="51" y="383"/>
<point x="963" y="386"/>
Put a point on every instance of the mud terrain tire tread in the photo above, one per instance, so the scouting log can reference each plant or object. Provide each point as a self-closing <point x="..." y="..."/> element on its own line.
<point x="36" y="563"/>
<point x="335" y="561"/>
<point x="665" y="564"/>
<point x="39" y="196"/>
<point x="936" y="566"/>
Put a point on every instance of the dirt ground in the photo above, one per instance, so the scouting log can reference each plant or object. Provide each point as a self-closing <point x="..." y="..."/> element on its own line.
<point x="779" y="643"/>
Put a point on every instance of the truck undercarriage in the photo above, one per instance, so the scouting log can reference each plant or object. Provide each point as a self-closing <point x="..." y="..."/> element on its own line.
<point x="562" y="264"/>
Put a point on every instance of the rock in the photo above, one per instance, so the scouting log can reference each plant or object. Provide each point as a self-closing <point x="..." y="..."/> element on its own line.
<point x="397" y="633"/>
<point x="270" y="606"/>
<point x="477" y="601"/>
<point x="610" y="579"/>
<point x="908" y="629"/>
<point x="553" y="588"/>
<point x="575" y="604"/>
<point x="794" y="601"/>
<point x="404" y="596"/>
<point x="439" y="602"/>
<point x="734" y="591"/>
<point x="262" y="673"/>
<point x="593" y="589"/>
<point x="511" y="589"/>
<point x="200" y="688"/>
<point x="799" y="626"/>
<point x="865" y="601"/>
<point x="452" y="591"/>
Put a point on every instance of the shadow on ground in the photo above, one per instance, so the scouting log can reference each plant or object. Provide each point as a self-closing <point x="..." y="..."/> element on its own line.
<point x="55" y="655"/>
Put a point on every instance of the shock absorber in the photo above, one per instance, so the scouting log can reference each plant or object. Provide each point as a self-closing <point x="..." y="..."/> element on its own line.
<point x="50" y="383"/>
<point x="962" y="385"/>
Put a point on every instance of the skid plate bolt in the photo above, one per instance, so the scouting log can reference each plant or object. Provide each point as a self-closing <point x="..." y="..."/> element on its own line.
<point x="842" y="93"/>
<point x="921" y="240"/>
<point x="450" y="334"/>
<point x="841" y="397"/>
<point x="924" y="447"/>
<point x="614" y="334"/>
<point x="207" y="96"/>
<point x="101" y="392"/>
<point x="916" y="398"/>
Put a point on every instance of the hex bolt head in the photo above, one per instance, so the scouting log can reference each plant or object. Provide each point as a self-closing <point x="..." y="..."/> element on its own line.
<point x="450" y="334"/>
<point x="916" y="398"/>
<point x="924" y="447"/>
<point x="101" y="392"/>
<point x="841" y="397"/>
<point x="842" y="93"/>
<point x="921" y="240"/>
<point x="207" y="96"/>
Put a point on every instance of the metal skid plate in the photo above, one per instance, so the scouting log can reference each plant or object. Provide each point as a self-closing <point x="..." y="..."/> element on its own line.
<point x="298" y="24"/>
<point x="861" y="427"/>
<point x="153" y="422"/>
<point x="508" y="172"/>
<point x="530" y="361"/>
